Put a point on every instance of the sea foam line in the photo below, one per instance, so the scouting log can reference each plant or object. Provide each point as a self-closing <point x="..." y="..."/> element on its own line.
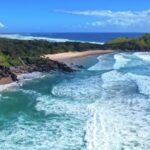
<point x="8" y="86"/>
<point x="21" y="80"/>
<point x="26" y="37"/>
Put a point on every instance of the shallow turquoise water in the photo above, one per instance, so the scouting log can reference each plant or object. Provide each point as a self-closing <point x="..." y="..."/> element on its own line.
<point x="104" y="107"/>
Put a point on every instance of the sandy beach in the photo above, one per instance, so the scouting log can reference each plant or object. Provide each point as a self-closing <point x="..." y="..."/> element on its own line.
<point x="6" y="80"/>
<point x="72" y="59"/>
<point x="76" y="58"/>
<point x="67" y="55"/>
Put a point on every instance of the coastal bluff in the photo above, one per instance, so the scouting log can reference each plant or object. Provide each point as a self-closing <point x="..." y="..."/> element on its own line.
<point x="9" y="74"/>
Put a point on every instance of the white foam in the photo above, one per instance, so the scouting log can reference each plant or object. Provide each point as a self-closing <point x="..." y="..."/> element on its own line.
<point x="119" y="121"/>
<point x="112" y="111"/>
<point x="22" y="79"/>
<point x="145" y="56"/>
<point x="48" y="134"/>
<point x="99" y="129"/>
<point x="30" y="76"/>
<point x="105" y="62"/>
<point x="119" y="118"/>
<point x="100" y="43"/>
<point x="118" y="124"/>
<point x="112" y="76"/>
<point x="121" y="60"/>
<point x="79" y="89"/>
<point x="143" y="82"/>
<point x="8" y="86"/>
<point x="51" y="105"/>
<point x="27" y="37"/>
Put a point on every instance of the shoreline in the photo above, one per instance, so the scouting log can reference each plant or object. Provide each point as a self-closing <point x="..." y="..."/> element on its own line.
<point x="67" y="55"/>
<point x="5" y="80"/>
<point x="11" y="74"/>
<point x="73" y="59"/>
<point x="8" y="83"/>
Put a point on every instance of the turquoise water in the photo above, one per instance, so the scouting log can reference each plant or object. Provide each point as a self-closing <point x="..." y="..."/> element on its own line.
<point x="103" y="107"/>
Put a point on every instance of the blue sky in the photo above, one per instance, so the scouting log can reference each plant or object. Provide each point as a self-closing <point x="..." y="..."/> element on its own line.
<point x="75" y="16"/>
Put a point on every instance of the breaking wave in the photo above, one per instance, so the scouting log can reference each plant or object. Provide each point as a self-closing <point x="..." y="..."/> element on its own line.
<point x="103" y="108"/>
<point x="28" y="37"/>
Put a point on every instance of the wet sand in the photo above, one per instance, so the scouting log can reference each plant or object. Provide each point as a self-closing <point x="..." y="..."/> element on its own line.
<point x="6" y="80"/>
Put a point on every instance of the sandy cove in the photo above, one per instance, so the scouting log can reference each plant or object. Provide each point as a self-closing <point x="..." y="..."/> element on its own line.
<point x="67" y="55"/>
<point x="71" y="59"/>
<point x="75" y="58"/>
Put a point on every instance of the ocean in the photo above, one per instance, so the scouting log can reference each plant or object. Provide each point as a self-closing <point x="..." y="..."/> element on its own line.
<point x="105" y="106"/>
<point x="77" y="37"/>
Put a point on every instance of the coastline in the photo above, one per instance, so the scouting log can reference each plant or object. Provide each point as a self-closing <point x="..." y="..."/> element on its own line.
<point x="6" y="80"/>
<point x="9" y="75"/>
<point x="73" y="59"/>
<point x="7" y="83"/>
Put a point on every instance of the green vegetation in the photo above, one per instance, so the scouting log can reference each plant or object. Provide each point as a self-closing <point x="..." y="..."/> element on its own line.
<point x="17" y="52"/>
<point x="134" y="44"/>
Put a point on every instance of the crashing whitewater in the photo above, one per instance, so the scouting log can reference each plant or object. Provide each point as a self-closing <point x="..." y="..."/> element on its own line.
<point x="106" y="107"/>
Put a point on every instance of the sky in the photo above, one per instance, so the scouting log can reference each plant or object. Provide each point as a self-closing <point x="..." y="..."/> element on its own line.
<point x="74" y="16"/>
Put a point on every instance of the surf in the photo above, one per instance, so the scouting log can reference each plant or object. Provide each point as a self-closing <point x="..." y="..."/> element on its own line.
<point x="105" y="106"/>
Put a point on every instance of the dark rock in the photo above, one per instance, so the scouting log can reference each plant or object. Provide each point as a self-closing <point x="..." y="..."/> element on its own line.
<point x="38" y="65"/>
<point x="46" y="65"/>
<point x="6" y="72"/>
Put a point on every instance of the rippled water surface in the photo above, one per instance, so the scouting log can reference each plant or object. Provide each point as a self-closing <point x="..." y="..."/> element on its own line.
<point x="105" y="107"/>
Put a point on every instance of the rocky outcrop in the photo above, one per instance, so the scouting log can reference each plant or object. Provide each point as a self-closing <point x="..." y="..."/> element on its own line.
<point x="7" y="73"/>
<point x="46" y="65"/>
<point x="40" y="65"/>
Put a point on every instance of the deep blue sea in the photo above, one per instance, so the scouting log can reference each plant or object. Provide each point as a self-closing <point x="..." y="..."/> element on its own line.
<point x="82" y="37"/>
<point x="88" y="37"/>
<point x="105" y="106"/>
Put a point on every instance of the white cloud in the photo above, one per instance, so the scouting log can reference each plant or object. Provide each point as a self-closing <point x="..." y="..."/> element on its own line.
<point x="2" y="25"/>
<point x="117" y="18"/>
